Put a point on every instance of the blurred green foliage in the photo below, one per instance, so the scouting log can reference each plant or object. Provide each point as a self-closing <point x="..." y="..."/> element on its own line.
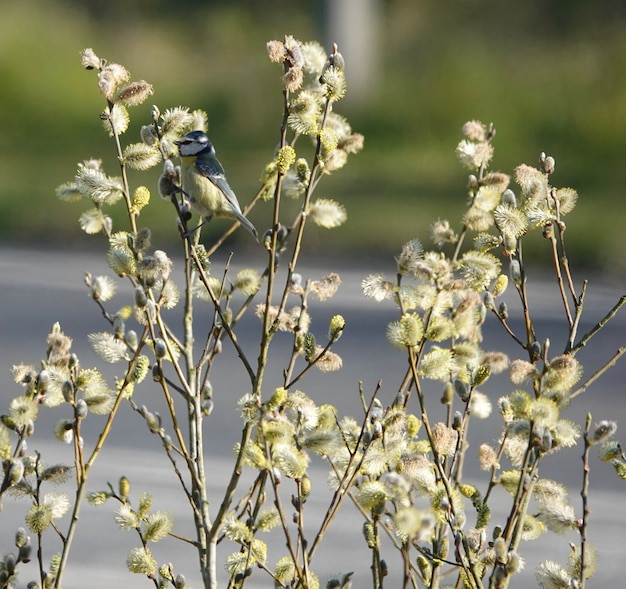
<point x="548" y="74"/>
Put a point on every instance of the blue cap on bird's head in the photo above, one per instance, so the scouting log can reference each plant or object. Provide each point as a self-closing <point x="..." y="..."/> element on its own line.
<point x="195" y="143"/>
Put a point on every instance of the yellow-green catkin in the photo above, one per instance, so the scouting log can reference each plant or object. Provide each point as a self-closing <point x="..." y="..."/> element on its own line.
<point x="413" y="425"/>
<point x="141" y="198"/>
<point x="337" y="325"/>
<point x="277" y="399"/>
<point x="124" y="488"/>
<point x="285" y="158"/>
<point x="500" y="285"/>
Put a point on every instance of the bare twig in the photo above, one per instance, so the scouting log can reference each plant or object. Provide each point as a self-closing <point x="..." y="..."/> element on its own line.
<point x="598" y="326"/>
<point x="584" y="493"/>
<point x="598" y="373"/>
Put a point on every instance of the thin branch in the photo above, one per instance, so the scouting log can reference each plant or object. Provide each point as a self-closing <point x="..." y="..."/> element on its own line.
<point x="559" y="279"/>
<point x="596" y="328"/>
<point x="584" y="493"/>
<point x="579" y="304"/>
<point x="346" y="482"/>
<point x="226" y="326"/>
<point x="472" y="577"/>
<point x="311" y="363"/>
<point x="598" y="373"/>
<point x="504" y="324"/>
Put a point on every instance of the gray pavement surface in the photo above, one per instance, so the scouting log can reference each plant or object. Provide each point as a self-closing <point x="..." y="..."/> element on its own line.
<point x="38" y="288"/>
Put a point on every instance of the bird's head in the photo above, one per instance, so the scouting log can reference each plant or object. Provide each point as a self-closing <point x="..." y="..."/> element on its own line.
<point x="194" y="144"/>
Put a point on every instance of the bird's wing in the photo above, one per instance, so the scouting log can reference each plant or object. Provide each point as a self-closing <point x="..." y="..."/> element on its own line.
<point x="212" y="169"/>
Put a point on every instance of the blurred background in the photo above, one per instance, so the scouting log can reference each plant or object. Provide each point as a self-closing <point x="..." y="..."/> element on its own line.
<point x="550" y="75"/>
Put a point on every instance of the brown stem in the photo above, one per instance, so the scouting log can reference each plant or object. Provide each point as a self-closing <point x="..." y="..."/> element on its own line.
<point x="584" y="493"/>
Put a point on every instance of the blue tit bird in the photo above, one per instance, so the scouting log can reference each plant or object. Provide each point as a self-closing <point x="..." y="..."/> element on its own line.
<point x="204" y="181"/>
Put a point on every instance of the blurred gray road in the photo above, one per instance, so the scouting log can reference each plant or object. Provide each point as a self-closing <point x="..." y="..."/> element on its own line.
<point x="38" y="288"/>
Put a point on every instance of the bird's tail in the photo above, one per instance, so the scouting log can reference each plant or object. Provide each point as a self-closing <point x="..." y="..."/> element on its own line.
<point x="248" y="225"/>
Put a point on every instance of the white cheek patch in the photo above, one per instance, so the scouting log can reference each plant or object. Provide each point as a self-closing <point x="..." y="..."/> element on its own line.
<point x="193" y="149"/>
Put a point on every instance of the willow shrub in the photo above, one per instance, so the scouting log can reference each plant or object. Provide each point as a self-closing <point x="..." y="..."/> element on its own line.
<point x="400" y="461"/>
